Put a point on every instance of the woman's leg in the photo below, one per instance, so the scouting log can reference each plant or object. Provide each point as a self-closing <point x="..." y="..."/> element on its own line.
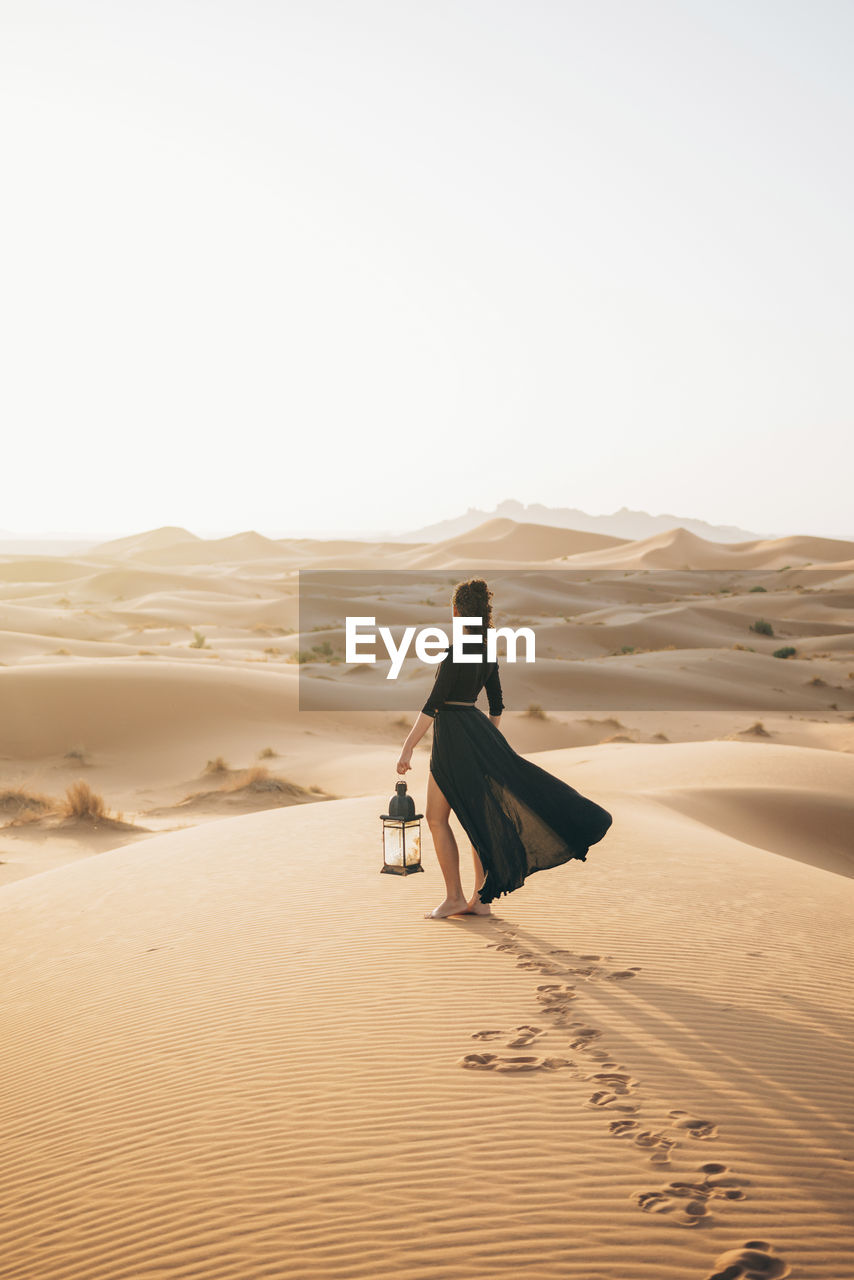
<point x="438" y="814"/>
<point x="474" y="906"/>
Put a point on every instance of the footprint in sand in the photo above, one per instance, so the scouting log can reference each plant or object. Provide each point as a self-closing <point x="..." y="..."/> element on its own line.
<point x="556" y="1001"/>
<point x="556" y="996"/>
<point x="623" y="1128"/>
<point x="605" y="1099"/>
<point x="622" y="974"/>
<point x="702" y="1130"/>
<point x="660" y="1144"/>
<point x="689" y="1201"/>
<point x="753" y="1261"/>
<point x="619" y="1081"/>
<point x="584" y="1037"/>
<point x="522" y="1036"/>
<point x="519" y="1062"/>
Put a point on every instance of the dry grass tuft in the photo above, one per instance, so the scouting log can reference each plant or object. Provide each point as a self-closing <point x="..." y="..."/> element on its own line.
<point x="82" y="802"/>
<point x="260" y="779"/>
<point x="758" y="730"/>
<point x="267" y="754"/>
<point x="21" y="807"/>
<point x="535" y="712"/>
<point x="271" y="790"/>
<point x="217" y="765"/>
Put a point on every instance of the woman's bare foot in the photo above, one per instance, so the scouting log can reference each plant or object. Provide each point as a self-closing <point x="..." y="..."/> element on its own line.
<point x="450" y="907"/>
<point x="474" y="906"/>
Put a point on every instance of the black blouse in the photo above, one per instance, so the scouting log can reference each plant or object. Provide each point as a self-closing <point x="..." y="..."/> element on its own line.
<point x="462" y="682"/>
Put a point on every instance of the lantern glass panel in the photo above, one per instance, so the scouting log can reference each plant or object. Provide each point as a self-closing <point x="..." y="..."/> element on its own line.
<point x="413" y="842"/>
<point x="393" y="843"/>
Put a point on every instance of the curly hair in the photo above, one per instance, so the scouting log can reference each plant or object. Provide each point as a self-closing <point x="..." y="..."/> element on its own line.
<point x="473" y="599"/>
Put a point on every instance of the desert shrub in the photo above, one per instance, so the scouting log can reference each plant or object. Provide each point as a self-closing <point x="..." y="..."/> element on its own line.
<point x="260" y="779"/>
<point x="317" y="653"/>
<point x="198" y="641"/>
<point x="758" y="729"/>
<point x="535" y="711"/>
<point x="267" y="753"/>
<point x="627" y="648"/>
<point x="217" y="765"/>
<point x="817" y="680"/>
<point x="787" y="651"/>
<point x="78" y="754"/>
<point x="82" y="802"/>
<point x="21" y="806"/>
<point x="762" y="627"/>
<point x="757" y="589"/>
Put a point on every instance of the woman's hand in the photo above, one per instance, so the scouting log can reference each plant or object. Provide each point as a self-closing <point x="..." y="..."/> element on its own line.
<point x="405" y="758"/>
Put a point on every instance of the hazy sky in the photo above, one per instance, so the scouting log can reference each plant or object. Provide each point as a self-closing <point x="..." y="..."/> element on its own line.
<point x="365" y="264"/>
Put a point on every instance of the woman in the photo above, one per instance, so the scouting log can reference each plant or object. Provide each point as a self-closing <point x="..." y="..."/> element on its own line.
<point x="518" y="817"/>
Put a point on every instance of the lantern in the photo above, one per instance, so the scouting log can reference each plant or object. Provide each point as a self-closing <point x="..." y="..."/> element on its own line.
<point x="401" y="834"/>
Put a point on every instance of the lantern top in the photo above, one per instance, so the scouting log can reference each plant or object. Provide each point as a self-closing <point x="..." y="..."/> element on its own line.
<point x="401" y="805"/>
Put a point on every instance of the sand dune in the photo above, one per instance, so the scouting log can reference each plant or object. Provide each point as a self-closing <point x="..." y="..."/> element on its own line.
<point x="256" y="1057"/>
<point x="152" y="540"/>
<point x="506" y="542"/>
<point x="680" y="549"/>
<point x="107" y="704"/>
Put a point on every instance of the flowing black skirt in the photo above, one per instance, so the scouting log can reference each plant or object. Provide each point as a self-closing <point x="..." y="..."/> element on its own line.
<point x="519" y="817"/>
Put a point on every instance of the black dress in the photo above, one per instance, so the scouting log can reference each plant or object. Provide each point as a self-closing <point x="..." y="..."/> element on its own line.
<point x="519" y="817"/>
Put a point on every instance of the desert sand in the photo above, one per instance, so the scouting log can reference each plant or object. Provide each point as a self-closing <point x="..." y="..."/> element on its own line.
<point x="231" y="1048"/>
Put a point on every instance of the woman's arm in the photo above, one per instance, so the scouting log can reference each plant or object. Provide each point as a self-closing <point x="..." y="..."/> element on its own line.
<point x="495" y="696"/>
<point x="416" y="733"/>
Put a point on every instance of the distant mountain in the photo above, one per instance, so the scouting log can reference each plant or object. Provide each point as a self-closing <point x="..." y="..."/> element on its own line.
<point x="627" y="524"/>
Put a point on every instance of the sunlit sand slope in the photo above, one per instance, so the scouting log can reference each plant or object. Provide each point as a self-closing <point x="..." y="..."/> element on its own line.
<point x="239" y="1051"/>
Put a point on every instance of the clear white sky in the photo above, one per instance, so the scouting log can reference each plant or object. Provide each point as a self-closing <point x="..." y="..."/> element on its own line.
<point x="315" y="264"/>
